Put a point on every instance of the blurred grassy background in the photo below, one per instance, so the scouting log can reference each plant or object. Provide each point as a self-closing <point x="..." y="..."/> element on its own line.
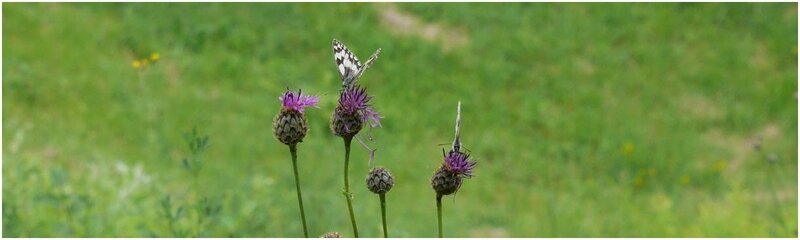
<point x="587" y="120"/>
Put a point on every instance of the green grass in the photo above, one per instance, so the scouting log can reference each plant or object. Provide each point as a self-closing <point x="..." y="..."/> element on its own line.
<point x="587" y="120"/>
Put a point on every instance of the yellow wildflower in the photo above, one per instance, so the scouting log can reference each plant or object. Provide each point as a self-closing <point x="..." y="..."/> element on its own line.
<point x="155" y="57"/>
<point x="136" y="64"/>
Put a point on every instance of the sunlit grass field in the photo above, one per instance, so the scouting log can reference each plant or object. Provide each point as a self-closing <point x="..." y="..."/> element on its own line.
<point x="587" y="120"/>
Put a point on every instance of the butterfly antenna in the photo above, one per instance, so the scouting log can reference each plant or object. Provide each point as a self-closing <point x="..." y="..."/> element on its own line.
<point x="368" y="63"/>
<point x="457" y="140"/>
<point x="372" y="58"/>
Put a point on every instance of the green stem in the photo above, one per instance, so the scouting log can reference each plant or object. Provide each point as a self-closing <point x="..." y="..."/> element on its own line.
<point x="293" y="150"/>
<point x="383" y="215"/>
<point x="439" y="212"/>
<point x="347" y="195"/>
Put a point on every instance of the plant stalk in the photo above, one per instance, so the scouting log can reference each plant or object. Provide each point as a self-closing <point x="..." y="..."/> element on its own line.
<point x="439" y="212"/>
<point x="383" y="215"/>
<point x="293" y="150"/>
<point x="347" y="194"/>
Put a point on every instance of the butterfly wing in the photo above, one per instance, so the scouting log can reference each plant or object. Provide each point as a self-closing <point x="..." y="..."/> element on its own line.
<point x="346" y="62"/>
<point x="457" y="140"/>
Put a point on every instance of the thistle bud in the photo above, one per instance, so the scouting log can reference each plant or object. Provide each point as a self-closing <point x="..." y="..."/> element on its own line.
<point x="379" y="180"/>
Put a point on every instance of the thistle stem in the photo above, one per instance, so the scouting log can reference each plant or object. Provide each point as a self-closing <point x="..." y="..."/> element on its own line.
<point x="347" y="195"/>
<point x="383" y="215"/>
<point x="293" y="150"/>
<point x="439" y="212"/>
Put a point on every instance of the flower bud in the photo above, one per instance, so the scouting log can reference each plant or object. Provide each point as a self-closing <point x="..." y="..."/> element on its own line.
<point x="379" y="180"/>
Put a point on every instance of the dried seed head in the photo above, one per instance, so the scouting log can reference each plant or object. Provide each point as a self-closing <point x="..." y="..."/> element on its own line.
<point x="379" y="180"/>
<point x="445" y="182"/>
<point x="331" y="235"/>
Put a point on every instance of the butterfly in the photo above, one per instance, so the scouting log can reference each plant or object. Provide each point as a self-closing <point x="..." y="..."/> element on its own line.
<point x="457" y="141"/>
<point x="350" y="69"/>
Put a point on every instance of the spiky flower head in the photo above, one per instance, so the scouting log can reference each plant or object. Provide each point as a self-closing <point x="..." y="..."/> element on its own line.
<point x="331" y="235"/>
<point x="353" y="112"/>
<point x="459" y="163"/>
<point x="379" y="180"/>
<point x="449" y="177"/>
<point x="291" y="125"/>
<point x="297" y="101"/>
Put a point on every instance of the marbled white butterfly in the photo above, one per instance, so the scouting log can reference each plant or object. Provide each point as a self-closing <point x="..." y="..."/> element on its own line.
<point x="350" y="69"/>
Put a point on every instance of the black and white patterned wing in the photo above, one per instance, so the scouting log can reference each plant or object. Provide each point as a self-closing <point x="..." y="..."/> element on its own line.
<point x="346" y="62"/>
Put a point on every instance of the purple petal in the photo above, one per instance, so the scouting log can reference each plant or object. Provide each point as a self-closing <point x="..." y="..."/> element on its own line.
<point x="354" y="98"/>
<point x="297" y="101"/>
<point x="372" y="116"/>
<point x="459" y="163"/>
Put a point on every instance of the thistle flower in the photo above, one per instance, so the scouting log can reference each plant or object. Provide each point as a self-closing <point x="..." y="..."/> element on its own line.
<point x="459" y="164"/>
<point x="450" y="175"/>
<point x="353" y="111"/>
<point x="291" y="125"/>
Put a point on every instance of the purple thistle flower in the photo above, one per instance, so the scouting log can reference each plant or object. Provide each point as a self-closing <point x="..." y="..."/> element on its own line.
<point x="297" y="101"/>
<point x="459" y="163"/>
<point x="356" y="99"/>
<point x="291" y="125"/>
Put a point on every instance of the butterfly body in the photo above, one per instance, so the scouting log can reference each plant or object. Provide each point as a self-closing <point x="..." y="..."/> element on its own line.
<point x="350" y="69"/>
